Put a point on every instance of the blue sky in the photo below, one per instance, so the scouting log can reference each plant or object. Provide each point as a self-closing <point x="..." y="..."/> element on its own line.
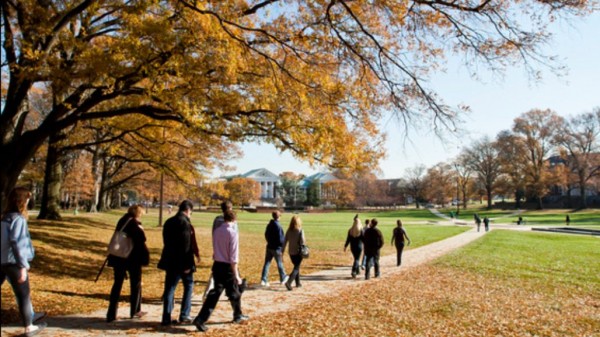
<point x="494" y="104"/>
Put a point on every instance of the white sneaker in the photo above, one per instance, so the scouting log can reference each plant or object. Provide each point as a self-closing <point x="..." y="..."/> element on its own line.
<point x="285" y="279"/>
<point x="264" y="284"/>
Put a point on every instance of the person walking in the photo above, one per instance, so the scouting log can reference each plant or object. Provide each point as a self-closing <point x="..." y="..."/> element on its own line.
<point x="16" y="254"/>
<point x="373" y="241"/>
<point x="568" y="220"/>
<point x="140" y="256"/>
<point x="225" y="273"/>
<point x="218" y="221"/>
<point x="363" y="264"/>
<point x="477" y="220"/>
<point x="486" y="223"/>
<point x="275" y="239"/>
<point x="355" y="240"/>
<point x="398" y="236"/>
<point x="177" y="260"/>
<point x="294" y="238"/>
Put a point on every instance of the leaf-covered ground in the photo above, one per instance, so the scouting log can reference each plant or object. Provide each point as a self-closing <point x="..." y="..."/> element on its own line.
<point x="436" y="301"/>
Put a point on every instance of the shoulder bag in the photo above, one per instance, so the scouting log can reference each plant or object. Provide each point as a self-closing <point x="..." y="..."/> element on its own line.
<point x="120" y="244"/>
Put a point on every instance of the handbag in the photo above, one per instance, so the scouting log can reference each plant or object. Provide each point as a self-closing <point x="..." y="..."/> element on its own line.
<point x="303" y="249"/>
<point x="120" y="244"/>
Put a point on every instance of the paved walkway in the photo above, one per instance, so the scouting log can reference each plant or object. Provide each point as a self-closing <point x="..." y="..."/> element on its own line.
<point x="254" y="299"/>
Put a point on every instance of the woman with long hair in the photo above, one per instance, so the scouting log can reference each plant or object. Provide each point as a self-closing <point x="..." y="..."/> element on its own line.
<point x="132" y="265"/>
<point x="294" y="237"/>
<point x="17" y="253"/>
<point x="355" y="240"/>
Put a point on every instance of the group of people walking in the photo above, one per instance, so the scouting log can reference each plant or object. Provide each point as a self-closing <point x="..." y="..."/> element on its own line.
<point x="180" y="255"/>
<point x="179" y="258"/>
<point x="276" y="243"/>
<point x="368" y="241"/>
<point x="486" y="222"/>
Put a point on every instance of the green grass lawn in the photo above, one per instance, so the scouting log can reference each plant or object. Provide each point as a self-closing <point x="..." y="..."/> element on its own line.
<point x="588" y="218"/>
<point x="545" y="258"/>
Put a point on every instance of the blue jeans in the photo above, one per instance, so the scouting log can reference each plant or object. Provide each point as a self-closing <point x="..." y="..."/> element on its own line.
<point x="171" y="280"/>
<point x="269" y="255"/>
<point x="372" y="260"/>
<point x="356" y="252"/>
<point x="21" y="290"/>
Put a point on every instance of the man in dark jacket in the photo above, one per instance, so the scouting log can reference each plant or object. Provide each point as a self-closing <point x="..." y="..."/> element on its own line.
<point x="275" y="238"/>
<point x="177" y="259"/>
<point x="373" y="241"/>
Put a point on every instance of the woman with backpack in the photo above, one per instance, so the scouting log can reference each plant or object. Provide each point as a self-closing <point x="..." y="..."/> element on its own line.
<point x="132" y="265"/>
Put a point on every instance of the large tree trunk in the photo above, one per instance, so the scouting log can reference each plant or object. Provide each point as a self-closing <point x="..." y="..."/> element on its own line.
<point x="489" y="197"/>
<point x="50" y="207"/>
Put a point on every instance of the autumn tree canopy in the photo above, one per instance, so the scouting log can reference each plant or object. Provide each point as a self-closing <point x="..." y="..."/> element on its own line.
<point x="311" y="77"/>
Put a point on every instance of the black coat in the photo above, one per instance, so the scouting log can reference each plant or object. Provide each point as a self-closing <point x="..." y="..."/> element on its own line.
<point x="178" y="251"/>
<point x="373" y="241"/>
<point x="140" y="256"/>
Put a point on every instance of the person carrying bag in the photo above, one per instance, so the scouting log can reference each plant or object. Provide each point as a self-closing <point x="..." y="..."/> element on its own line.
<point x="128" y="253"/>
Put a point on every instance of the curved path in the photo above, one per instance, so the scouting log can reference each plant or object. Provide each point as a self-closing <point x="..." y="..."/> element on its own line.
<point x="257" y="301"/>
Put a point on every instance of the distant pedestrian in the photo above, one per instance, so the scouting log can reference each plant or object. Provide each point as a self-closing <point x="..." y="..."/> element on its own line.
<point x="568" y="220"/>
<point x="398" y="237"/>
<point x="355" y="240"/>
<point x="294" y="238"/>
<point x="373" y="241"/>
<point x="275" y="239"/>
<point x="486" y="222"/>
<point x="477" y="220"/>
<point x="17" y="252"/>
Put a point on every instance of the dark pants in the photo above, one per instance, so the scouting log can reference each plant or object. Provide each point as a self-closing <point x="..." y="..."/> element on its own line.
<point x="399" y="249"/>
<point x="171" y="280"/>
<point x="21" y="290"/>
<point x="372" y="259"/>
<point x="224" y="280"/>
<point x="356" y="255"/>
<point x="295" y="275"/>
<point x="135" y="284"/>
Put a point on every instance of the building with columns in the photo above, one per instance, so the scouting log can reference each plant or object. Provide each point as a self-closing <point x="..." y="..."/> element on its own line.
<point x="268" y="181"/>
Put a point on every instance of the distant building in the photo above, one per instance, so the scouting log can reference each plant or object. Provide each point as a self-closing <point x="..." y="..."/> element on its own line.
<point x="268" y="181"/>
<point x="321" y="177"/>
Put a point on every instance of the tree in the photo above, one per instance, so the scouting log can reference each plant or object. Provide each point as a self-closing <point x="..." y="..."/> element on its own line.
<point x="463" y="173"/>
<point x="438" y="184"/>
<point x="579" y="137"/>
<point x="290" y="189"/>
<point x="309" y="77"/>
<point x="538" y="128"/>
<point x="482" y="158"/>
<point x="512" y="155"/>
<point x="339" y="192"/>
<point x="313" y="193"/>
<point x="415" y="183"/>
<point x="243" y="191"/>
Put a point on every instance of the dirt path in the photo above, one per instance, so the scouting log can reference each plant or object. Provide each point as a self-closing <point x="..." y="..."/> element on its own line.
<point x="256" y="301"/>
